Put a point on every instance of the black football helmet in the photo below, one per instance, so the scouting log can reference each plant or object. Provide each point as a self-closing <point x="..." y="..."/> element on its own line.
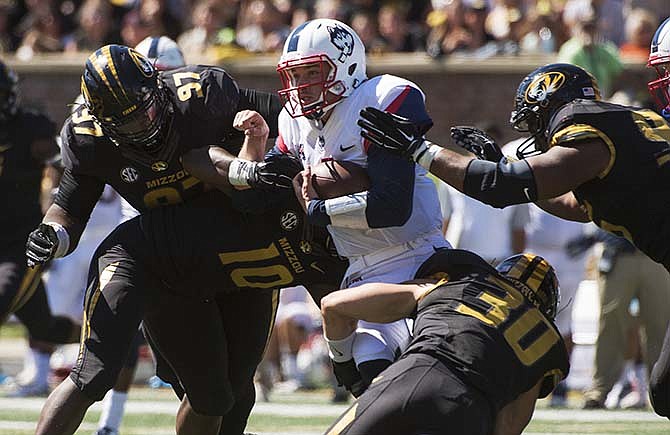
<point x="540" y="94"/>
<point x="124" y="94"/>
<point x="8" y="92"/>
<point x="537" y="279"/>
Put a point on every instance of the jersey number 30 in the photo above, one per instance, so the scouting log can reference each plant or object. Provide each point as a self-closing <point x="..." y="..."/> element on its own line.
<point x="528" y="348"/>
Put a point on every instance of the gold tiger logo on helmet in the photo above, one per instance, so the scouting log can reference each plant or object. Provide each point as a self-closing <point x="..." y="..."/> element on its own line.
<point x="544" y="86"/>
<point x="142" y="63"/>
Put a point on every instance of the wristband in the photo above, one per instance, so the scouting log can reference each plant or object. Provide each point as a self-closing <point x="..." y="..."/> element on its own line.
<point x="240" y="171"/>
<point x="425" y="154"/>
<point x="341" y="350"/>
<point x="63" y="239"/>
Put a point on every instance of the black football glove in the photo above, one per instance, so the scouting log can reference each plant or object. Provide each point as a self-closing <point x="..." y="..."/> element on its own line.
<point x="392" y="132"/>
<point x="277" y="171"/>
<point x="477" y="142"/>
<point x="41" y="245"/>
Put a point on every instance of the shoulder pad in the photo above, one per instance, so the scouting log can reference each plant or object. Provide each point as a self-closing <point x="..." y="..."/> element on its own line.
<point x="78" y="141"/>
<point x="450" y="262"/>
<point x="206" y="92"/>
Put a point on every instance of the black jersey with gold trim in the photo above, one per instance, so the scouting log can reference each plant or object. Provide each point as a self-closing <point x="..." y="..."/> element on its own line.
<point x="631" y="197"/>
<point x="205" y="100"/>
<point x="482" y="327"/>
<point x="21" y="173"/>
<point x="207" y="246"/>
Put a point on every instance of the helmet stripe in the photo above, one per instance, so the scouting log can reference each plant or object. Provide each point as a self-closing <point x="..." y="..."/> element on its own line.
<point x="519" y="268"/>
<point x="536" y="278"/>
<point x="153" y="48"/>
<point x="295" y="36"/>
<point x="110" y="61"/>
<point x="657" y="35"/>
<point x="94" y="61"/>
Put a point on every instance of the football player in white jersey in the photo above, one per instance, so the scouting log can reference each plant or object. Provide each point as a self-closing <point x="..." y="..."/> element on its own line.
<point x="386" y="231"/>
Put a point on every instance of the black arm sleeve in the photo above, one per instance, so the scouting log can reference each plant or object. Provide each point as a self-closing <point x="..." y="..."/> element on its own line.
<point x="500" y="184"/>
<point x="78" y="194"/>
<point x="267" y="104"/>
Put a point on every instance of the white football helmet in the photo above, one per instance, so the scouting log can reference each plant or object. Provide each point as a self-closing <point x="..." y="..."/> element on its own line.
<point x="336" y="50"/>
<point x="163" y="53"/>
<point x="659" y="58"/>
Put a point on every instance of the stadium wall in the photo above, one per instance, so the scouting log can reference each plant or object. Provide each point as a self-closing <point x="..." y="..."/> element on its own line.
<point x="459" y="90"/>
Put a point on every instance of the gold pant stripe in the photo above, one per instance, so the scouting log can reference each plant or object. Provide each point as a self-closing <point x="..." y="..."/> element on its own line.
<point x="344" y="421"/>
<point x="26" y="290"/>
<point x="273" y="317"/>
<point x="103" y="279"/>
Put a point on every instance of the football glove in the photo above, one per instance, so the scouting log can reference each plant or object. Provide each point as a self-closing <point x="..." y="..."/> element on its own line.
<point x="277" y="171"/>
<point x="348" y="376"/>
<point x="477" y="142"/>
<point x="392" y="132"/>
<point x="41" y="245"/>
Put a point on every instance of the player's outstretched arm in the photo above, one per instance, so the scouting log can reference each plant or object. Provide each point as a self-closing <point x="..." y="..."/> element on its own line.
<point x="373" y="302"/>
<point x="499" y="184"/>
<point x="515" y="416"/>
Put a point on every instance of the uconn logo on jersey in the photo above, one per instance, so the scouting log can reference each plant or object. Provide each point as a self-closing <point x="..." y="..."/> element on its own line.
<point x="343" y="40"/>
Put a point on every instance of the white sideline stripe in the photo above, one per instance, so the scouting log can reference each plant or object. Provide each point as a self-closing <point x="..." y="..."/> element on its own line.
<point x="149" y="407"/>
<point x="329" y="410"/>
<point x="30" y="425"/>
<point x="27" y="425"/>
<point x="595" y="415"/>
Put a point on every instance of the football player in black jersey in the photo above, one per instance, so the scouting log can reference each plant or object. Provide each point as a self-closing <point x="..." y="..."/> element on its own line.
<point x="585" y="160"/>
<point x="132" y="132"/>
<point x="484" y="346"/>
<point x="27" y="144"/>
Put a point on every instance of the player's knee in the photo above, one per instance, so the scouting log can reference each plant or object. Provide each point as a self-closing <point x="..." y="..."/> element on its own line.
<point x="211" y="394"/>
<point x="96" y="385"/>
<point x="211" y="403"/>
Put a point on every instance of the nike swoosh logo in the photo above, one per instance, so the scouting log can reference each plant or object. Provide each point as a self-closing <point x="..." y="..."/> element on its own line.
<point x="343" y="149"/>
<point x="315" y="267"/>
<point x="337" y="352"/>
<point x="409" y="138"/>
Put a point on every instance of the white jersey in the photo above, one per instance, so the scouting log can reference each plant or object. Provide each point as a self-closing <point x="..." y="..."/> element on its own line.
<point x="340" y="139"/>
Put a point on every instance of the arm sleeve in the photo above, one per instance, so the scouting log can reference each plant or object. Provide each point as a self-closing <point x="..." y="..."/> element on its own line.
<point x="389" y="200"/>
<point x="268" y="105"/>
<point x="78" y="194"/>
<point x="391" y="189"/>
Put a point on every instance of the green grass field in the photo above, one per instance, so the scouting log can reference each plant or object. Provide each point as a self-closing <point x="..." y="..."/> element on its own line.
<point x="151" y="412"/>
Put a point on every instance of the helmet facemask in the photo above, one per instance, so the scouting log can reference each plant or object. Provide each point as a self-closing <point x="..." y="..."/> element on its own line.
<point x="660" y="88"/>
<point x="142" y="133"/>
<point x="315" y="93"/>
<point x="529" y="120"/>
<point x="540" y="95"/>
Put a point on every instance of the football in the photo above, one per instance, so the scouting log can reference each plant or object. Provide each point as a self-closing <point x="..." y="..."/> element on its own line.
<point x="334" y="178"/>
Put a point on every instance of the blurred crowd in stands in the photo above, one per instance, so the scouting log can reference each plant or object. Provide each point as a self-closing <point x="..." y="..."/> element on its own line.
<point x="223" y="28"/>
